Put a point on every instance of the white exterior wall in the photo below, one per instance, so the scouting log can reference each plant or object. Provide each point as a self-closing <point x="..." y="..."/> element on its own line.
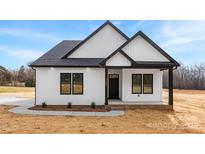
<point x="101" y="45"/>
<point x="127" y="95"/>
<point x="118" y="60"/>
<point x="140" y="50"/>
<point x="48" y="86"/>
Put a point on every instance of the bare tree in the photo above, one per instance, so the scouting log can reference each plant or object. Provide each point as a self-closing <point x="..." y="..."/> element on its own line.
<point x="187" y="77"/>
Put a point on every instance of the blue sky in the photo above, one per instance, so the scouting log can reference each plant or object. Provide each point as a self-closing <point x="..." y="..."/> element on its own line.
<point x="24" y="41"/>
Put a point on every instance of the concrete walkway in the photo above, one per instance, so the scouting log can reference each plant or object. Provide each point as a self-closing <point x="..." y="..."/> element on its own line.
<point x="24" y="104"/>
<point x="25" y="110"/>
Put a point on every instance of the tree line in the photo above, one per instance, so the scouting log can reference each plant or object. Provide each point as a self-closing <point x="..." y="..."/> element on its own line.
<point x="187" y="77"/>
<point x="24" y="76"/>
<point x="184" y="77"/>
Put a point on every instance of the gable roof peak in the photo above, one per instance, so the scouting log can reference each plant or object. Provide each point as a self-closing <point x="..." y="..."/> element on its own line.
<point x="152" y="43"/>
<point x="136" y="34"/>
<point x="108" y="22"/>
<point x="92" y="34"/>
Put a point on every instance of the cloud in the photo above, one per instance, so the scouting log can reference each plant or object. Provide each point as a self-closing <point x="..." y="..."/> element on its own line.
<point x="25" y="54"/>
<point x="184" y="32"/>
<point x="182" y="40"/>
<point x="116" y="22"/>
<point x="28" y="34"/>
<point x="141" y="22"/>
<point x="140" y="25"/>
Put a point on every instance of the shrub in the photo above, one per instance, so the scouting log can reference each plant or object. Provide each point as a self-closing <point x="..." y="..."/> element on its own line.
<point x="30" y="83"/>
<point x="93" y="105"/>
<point x="69" y="105"/>
<point x="44" y="104"/>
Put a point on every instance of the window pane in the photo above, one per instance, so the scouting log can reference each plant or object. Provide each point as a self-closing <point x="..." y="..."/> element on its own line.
<point x="65" y="83"/>
<point x="77" y="83"/>
<point x="148" y="83"/>
<point x="137" y="83"/>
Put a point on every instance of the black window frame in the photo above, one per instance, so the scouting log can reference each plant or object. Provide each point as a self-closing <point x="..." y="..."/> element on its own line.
<point x="132" y="84"/>
<point x="61" y="84"/>
<point x="73" y="84"/>
<point x="152" y="84"/>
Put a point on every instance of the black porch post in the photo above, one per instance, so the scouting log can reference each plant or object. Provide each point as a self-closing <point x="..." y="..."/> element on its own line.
<point x="106" y="101"/>
<point x="170" y="86"/>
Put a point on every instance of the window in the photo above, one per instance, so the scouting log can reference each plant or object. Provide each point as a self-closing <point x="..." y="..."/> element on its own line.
<point x="148" y="83"/>
<point x="77" y="83"/>
<point x="136" y="83"/>
<point x="65" y="83"/>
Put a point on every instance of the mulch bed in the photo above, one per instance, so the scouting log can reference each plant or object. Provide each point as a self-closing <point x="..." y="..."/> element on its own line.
<point x="81" y="108"/>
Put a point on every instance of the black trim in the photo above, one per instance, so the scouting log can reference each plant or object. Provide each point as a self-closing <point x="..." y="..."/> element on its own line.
<point x="73" y="83"/>
<point x="35" y="86"/>
<point x="132" y="84"/>
<point x="158" y="48"/>
<point x="152" y="83"/>
<point x="149" y="41"/>
<point x="64" y="66"/>
<point x="106" y="85"/>
<point x="136" y="64"/>
<point x="128" y="57"/>
<point x="123" y="53"/>
<point x="154" y="63"/>
<point x="61" y="93"/>
<point x="170" y="86"/>
<point x="92" y="34"/>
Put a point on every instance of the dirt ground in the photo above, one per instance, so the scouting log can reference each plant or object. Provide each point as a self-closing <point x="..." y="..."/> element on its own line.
<point x="188" y="117"/>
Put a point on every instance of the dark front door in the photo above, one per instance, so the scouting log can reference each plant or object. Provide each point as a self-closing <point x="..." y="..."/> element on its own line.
<point x="113" y="86"/>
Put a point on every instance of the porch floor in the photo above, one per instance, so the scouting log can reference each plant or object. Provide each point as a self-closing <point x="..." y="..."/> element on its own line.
<point x="120" y="102"/>
<point x="121" y="105"/>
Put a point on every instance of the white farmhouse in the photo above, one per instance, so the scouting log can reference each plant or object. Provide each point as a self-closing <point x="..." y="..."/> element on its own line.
<point x="105" y="67"/>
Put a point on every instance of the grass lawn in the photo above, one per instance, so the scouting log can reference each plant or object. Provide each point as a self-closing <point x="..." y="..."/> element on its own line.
<point x="188" y="117"/>
<point x="7" y="89"/>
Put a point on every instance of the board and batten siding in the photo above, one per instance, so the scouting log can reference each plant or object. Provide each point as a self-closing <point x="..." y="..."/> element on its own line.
<point x="140" y="50"/>
<point x="127" y="95"/>
<point x="101" y="45"/>
<point x="48" y="86"/>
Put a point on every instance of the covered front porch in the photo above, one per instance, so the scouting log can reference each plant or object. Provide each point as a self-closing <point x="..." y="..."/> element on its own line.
<point x="119" y="87"/>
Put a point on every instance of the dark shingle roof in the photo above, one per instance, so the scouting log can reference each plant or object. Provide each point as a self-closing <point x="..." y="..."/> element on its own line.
<point x="53" y="56"/>
<point x="79" y="62"/>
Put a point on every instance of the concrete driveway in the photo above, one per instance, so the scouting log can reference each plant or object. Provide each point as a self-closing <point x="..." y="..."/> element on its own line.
<point x="16" y="101"/>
